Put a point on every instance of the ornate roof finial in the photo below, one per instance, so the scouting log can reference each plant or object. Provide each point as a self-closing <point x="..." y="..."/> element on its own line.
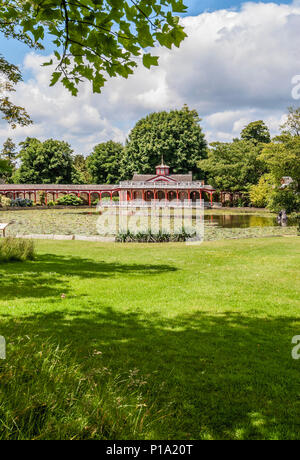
<point x="162" y="165"/>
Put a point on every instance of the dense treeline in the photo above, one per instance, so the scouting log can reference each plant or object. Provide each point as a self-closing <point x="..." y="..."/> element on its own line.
<point x="253" y="164"/>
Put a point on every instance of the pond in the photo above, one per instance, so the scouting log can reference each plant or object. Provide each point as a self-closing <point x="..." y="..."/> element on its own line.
<point x="243" y="221"/>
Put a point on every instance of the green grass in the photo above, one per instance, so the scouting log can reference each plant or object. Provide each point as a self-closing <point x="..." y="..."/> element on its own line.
<point x="16" y="249"/>
<point x="170" y="341"/>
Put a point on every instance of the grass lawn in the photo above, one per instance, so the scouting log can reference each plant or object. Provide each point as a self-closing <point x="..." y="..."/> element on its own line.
<point x="167" y="341"/>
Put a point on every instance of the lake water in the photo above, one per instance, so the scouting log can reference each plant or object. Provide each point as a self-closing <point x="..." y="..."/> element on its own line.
<point x="242" y="221"/>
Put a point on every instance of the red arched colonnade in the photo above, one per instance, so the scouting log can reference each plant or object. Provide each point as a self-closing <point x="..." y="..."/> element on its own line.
<point x="33" y="191"/>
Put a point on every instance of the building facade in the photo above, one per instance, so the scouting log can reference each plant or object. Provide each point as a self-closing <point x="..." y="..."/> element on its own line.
<point x="161" y="186"/>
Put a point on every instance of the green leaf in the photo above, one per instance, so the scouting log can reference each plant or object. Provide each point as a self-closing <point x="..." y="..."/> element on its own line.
<point x="149" y="60"/>
<point x="55" y="77"/>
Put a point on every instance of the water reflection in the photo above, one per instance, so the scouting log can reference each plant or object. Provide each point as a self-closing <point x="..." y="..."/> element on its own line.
<point x="242" y="221"/>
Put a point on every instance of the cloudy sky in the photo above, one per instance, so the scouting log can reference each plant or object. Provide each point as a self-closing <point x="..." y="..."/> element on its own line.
<point x="236" y="66"/>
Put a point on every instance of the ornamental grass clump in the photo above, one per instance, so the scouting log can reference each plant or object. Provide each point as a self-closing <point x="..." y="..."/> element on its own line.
<point x="15" y="249"/>
<point x="149" y="237"/>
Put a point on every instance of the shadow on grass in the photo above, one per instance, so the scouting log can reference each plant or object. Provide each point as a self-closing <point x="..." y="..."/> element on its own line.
<point x="38" y="279"/>
<point x="220" y="375"/>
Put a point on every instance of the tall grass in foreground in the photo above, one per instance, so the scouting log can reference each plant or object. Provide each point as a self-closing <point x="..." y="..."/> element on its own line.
<point x="16" y="249"/>
<point x="45" y="394"/>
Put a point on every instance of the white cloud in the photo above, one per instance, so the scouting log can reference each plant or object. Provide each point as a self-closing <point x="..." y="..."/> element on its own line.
<point x="234" y="67"/>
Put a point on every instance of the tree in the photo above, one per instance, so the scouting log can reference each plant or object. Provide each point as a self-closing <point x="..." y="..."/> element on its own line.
<point x="9" y="151"/>
<point x="80" y="173"/>
<point x="8" y="156"/>
<point x="292" y="124"/>
<point x="257" y="132"/>
<point x="5" y="170"/>
<point x="10" y="76"/>
<point x="282" y="158"/>
<point x="176" y="135"/>
<point x="261" y="193"/>
<point x="48" y="162"/>
<point x="94" y="39"/>
<point x="233" y="166"/>
<point x="284" y="199"/>
<point x="104" y="164"/>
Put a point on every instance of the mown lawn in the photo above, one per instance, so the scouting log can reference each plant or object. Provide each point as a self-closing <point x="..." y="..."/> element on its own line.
<point x="171" y="341"/>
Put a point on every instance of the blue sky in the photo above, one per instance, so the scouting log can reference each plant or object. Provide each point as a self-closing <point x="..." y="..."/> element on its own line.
<point x="236" y="66"/>
<point x="198" y="6"/>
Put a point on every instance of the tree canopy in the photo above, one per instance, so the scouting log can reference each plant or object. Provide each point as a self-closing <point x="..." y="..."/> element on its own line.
<point x="94" y="39"/>
<point x="80" y="174"/>
<point x="5" y="169"/>
<point x="177" y="135"/>
<point x="257" y="132"/>
<point x="8" y="156"/>
<point x="13" y="114"/>
<point x="48" y="162"/>
<point x="282" y="157"/>
<point x="104" y="163"/>
<point x="9" y="151"/>
<point x="233" y="166"/>
<point x="292" y="124"/>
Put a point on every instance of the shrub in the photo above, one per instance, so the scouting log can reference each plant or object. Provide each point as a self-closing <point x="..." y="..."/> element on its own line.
<point x="298" y="224"/>
<point x="21" y="202"/>
<point x="51" y="203"/>
<point x="105" y="199"/>
<point x="42" y="196"/>
<point x="15" y="249"/>
<point x="260" y="193"/>
<point x="5" y="202"/>
<point x="284" y="199"/>
<point x="242" y="202"/>
<point x="149" y="237"/>
<point x="69" y="200"/>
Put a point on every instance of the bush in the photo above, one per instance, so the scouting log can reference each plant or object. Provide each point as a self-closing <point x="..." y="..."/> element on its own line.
<point x="42" y="196"/>
<point x="15" y="249"/>
<point x="69" y="200"/>
<point x="260" y="193"/>
<point x="5" y="202"/>
<point x="51" y="203"/>
<point x="284" y="199"/>
<point x="106" y="198"/>
<point x="298" y="224"/>
<point x="242" y="202"/>
<point x="21" y="202"/>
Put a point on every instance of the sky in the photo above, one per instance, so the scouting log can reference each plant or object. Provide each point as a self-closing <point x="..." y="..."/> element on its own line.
<point x="236" y="66"/>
